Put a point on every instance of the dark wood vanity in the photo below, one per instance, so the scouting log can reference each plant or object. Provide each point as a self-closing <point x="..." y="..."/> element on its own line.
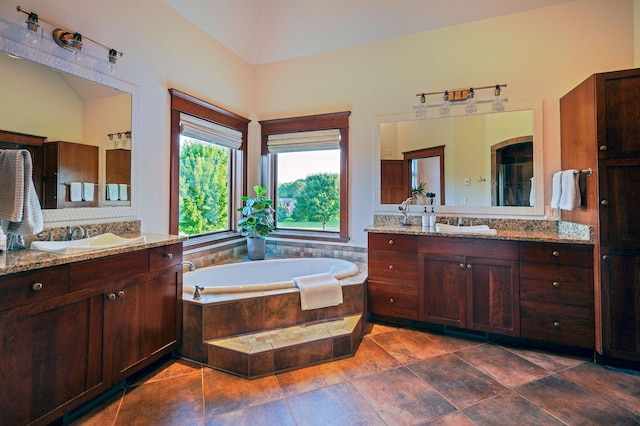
<point x="534" y="290"/>
<point x="72" y="331"/>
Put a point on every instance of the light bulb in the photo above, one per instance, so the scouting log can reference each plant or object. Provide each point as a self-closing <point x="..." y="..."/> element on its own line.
<point x="31" y="25"/>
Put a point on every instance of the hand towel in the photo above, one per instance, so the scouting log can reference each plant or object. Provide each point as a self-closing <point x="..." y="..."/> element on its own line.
<point x="75" y="191"/>
<point x="556" y="190"/>
<point x="87" y="191"/>
<point x="318" y="291"/>
<point x="570" y="196"/>
<point x="19" y="202"/>
<point x="532" y="194"/>
<point x="112" y="191"/>
<point x="122" y="192"/>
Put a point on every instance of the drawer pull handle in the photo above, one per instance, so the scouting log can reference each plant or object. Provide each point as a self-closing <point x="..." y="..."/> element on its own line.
<point x="121" y="293"/>
<point x="37" y="286"/>
<point x="556" y="253"/>
<point x="111" y="296"/>
<point x="604" y="202"/>
<point x="556" y="284"/>
<point x="391" y="300"/>
<point x="169" y="256"/>
<point x="556" y="324"/>
<point x="391" y="267"/>
<point x="390" y="242"/>
<point x="469" y="266"/>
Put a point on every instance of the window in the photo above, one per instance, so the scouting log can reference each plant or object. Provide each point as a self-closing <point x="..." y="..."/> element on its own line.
<point x="306" y="161"/>
<point x="208" y="176"/>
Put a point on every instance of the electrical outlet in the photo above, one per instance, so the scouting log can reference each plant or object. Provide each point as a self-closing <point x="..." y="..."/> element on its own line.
<point x="467" y="181"/>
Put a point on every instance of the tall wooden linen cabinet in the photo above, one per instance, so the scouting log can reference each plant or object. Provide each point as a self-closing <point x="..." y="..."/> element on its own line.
<point x="600" y="129"/>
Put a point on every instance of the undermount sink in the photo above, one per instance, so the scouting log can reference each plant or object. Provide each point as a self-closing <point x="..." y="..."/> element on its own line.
<point x="475" y="229"/>
<point x="99" y="242"/>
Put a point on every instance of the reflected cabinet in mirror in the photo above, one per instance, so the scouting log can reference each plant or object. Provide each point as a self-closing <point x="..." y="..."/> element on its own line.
<point x="485" y="163"/>
<point x="77" y="124"/>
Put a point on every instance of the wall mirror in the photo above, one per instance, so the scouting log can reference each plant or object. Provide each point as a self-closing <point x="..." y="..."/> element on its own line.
<point x="53" y="97"/>
<point x="485" y="164"/>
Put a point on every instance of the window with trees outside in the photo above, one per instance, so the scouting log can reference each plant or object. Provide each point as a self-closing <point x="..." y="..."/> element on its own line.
<point x="307" y="161"/>
<point x="207" y="173"/>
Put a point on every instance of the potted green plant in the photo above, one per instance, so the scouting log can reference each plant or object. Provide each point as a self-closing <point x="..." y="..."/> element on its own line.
<point x="257" y="221"/>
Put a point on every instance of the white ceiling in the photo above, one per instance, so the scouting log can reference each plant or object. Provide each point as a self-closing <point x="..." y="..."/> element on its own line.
<point x="263" y="31"/>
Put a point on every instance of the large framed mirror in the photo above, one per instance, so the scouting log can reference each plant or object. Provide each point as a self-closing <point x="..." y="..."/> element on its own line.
<point x="52" y="97"/>
<point x="485" y="164"/>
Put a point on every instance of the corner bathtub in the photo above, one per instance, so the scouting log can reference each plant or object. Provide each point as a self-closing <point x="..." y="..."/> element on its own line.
<point x="263" y="275"/>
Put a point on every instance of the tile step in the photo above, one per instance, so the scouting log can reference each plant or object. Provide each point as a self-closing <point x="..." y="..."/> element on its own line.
<point x="266" y="352"/>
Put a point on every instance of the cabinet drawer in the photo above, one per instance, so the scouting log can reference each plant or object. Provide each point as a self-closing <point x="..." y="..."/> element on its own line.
<point x="475" y="247"/>
<point x="393" y="267"/>
<point x="162" y="257"/>
<point x="108" y="269"/>
<point x="392" y="300"/>
<point x="33" y="286"/>
<point x="564" y="292"/>
<point x="393" y="242"/>
<point x="541" y="271"/>
<point x="565" y="254"/>
<point x="557" y="323"/>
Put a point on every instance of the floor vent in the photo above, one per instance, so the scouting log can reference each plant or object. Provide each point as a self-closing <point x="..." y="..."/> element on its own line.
<point x="83" y="409"/>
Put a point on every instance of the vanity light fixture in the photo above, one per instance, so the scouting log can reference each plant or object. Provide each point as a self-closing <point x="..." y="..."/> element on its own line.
<point x="70" y="40"/>
<point x="467" y="97"/>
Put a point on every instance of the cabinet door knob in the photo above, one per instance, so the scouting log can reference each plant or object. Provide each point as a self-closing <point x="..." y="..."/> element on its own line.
<point x="390" y="242"/>
<point x="469" y="266"/>
<point x="555" y="253"/>
<point x="461" y="266"/>
<point x="121" y="293"/>
<point x="391" y="267"/>
<point x="556" y="284"/>
<point x="391" y="300"/>
<point x="605" y="257"/>
<point x="36" y="286"/>
<point x="168" y="256"/>
<point x="604" y="202"/>
<point x="556" y="324"/>
<point x="111" y="296"/>
<point x="603" y="147"/>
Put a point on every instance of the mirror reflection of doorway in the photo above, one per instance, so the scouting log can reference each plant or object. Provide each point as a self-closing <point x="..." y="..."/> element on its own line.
<point x="512" y="172"/>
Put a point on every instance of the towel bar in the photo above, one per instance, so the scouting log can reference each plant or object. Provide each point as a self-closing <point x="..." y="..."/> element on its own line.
<point x="587" y="172"/>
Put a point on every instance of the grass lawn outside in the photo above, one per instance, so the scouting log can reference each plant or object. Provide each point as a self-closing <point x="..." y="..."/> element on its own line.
<point x="334" y="225"/>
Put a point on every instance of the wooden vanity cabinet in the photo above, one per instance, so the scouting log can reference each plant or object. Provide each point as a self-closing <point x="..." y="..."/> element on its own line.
<point x="556" y="293"/>
<point x="392" y="288"/>
<point x="87" y="327"/>
<point x="470" y="283"/>
<point x="51" y="346"/>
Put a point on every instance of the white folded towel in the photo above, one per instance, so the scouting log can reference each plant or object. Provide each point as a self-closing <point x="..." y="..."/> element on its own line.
<point x="318" y="291"/>
<point x="19" y="202"/>
<point x="75" y="191"/>
<point x="532" y="194"/>
<point x="87" y="191"/>
<point x="556" y="190"/>
<point x="570" y="196"/>
<point x="122" y="192"/>
<point x="112" y="191"/>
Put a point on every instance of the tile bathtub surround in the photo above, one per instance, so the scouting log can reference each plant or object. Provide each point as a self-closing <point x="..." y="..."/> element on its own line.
<point x="450" y="381"/>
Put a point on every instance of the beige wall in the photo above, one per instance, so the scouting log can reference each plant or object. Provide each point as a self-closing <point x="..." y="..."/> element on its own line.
<point x="540" y="54"/>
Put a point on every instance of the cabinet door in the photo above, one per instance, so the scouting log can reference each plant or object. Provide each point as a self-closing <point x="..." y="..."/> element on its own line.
<point x="620" y="203"/>
<point x="51" y="357"/>
<point x="621" y="303"/>
<point x="141" y="323"/>
<point x="493" y="296"/>
<point x="442" y="293"/>
<point x="620" y="123"/>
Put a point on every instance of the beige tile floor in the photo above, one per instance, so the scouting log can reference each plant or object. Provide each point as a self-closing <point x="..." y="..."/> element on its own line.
<point x="397" y="377"/>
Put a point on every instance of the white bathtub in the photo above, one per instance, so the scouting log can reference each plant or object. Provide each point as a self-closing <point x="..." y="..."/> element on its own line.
<point x="263" y="275"/>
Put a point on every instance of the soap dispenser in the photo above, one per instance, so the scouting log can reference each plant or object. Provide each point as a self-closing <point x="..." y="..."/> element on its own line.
<point x="432" y="219"/>
<point x="425" y="219"/>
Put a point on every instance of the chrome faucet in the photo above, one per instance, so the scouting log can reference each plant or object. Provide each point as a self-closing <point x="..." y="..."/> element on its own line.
<point x="196" y="293"/>
<point x="460" y="221"/>
<point x="73" y="231"/>
<point x="191" y="266"/>
<point x="404" y="209"/>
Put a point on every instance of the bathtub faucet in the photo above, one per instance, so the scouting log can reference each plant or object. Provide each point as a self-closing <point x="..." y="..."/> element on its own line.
<point x="191" y="266"/>
<point x="196" y="293"/>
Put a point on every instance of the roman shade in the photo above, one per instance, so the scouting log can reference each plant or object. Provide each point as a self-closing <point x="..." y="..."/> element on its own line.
<point x="304" y="141"/>
<point x="197" y="128"/>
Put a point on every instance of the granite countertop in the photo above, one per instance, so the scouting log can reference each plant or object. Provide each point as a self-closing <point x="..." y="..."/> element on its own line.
<point x="26" y="260"/>
<point x="510" y="234"/>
